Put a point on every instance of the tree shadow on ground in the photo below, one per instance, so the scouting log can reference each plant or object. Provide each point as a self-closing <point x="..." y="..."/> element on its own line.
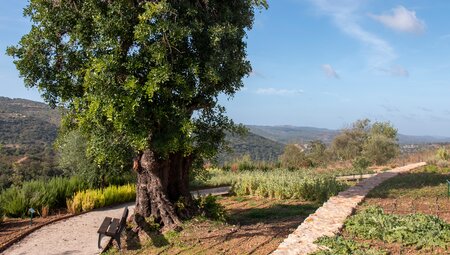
<point x="134" y="241"/>
<point x="268" y="215"/>
<point x="408" y="182"/>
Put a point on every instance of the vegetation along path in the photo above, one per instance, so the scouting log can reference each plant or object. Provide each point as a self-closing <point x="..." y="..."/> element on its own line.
<point x="78" y="235"/>
<point x="329" y="219"/>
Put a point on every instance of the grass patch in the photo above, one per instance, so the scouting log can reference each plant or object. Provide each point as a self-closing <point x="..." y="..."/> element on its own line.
<point x="427" y="181"/>
<point x="339" y="245"/>
<point x="418" y="230"/>
<point x="275" y="211"/>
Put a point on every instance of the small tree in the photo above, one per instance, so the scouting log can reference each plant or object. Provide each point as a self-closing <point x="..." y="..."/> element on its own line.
<point x="349" y="143"/>
<point x="293" y="157"/>
<point x="381" y="144"/>
<point x="317" y="152"/>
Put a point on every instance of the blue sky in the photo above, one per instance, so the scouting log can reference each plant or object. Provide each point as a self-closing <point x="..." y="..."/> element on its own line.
<point x="325" y="63"/>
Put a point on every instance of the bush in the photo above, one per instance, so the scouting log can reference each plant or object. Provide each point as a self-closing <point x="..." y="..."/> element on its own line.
<point x="442" y="154"/>
<point x="210" y="208"/>
<point x="87" y="200"/>
<point x="15" y="201"/>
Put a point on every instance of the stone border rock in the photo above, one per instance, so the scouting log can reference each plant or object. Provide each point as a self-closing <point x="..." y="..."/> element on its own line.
<point x="329" y="219"/>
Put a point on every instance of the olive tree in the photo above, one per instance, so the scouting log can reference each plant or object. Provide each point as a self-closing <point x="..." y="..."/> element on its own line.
<point x="144" y="73"/>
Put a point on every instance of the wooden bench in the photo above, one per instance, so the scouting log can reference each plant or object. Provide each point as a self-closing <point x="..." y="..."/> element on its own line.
<point x="112" y="227"/>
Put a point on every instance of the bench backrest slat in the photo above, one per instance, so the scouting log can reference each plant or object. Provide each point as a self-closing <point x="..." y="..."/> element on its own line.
<point x="123" y="220"/>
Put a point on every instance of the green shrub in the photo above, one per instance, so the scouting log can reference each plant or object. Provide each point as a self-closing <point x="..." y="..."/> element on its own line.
<point x="417" y="230"/>
<point x="52" y="194"/>
<point x="210" y="208"/>
<point x="442" y="154"/>
<point x="13" y="202"/>
<point x="87" y="200"/>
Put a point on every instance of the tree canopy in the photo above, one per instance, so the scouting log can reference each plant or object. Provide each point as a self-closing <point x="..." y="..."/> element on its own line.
<point x="377" y="142"/>
<point x="146" y="74"/>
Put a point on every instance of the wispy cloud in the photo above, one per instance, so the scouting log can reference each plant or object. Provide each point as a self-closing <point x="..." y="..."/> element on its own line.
<point x="278" y="92"/>
<point x="395" y="71"/>
<point x="389" y="108"/>
<point x="402" y="20"/>
<point x="425" y="109"/>
<point x="329" y="71"/>
<point x="345" y="15"/>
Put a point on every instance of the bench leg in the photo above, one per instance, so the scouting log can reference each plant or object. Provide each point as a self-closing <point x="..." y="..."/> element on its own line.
<point x="99" y="239"/>
<point x="117" y="237"/>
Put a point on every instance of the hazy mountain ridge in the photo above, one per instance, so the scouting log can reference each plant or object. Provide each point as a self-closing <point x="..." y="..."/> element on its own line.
<point x="294" y="134"/>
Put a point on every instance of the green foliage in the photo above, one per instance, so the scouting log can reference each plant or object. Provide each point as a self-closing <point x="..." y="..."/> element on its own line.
<point x="377" y="142"/>
<point x="283" y="184"/>
<point x="417" y="230"/>
<point x="360" y="164"/>
<point x="87" y="200"/>
<point x="139" y="75"/>
<point x="210" y="208"/>
<point x="278" y="183"/>
<point x="74" y="161"/>
<point x="294" y="158"/>
<point x="317" y="153"/>
<point x="15" y="201"/>
<point x="443" y="154"/>
<point x="340" y="246"/>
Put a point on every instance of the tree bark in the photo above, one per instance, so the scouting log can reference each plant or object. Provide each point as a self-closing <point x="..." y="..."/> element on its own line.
<point x="160" y="184"/>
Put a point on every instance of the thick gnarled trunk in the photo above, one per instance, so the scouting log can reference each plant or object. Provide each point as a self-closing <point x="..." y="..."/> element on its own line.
<point x="160" y="184"/>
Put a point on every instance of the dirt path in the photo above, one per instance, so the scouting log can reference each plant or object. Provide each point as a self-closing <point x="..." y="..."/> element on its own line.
<point x="76" y="235"/>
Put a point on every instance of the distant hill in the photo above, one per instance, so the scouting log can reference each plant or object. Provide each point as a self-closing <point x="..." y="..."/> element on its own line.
<point x="27" y="132"/>
<point x="255" y="146"/>
<point x="293" y="134"/>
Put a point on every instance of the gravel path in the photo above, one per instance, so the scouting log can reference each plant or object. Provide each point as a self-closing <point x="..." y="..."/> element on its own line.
<point x="78" y="235"/>
<point x="329" y="219"/>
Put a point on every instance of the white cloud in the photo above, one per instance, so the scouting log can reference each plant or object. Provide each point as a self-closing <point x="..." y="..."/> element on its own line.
<point x="329" y="71"/>
<point x="401" y="19"/>
<point x="278" y="92"/>
<point x="344" y="14"/>
<point x="396" y="71"/>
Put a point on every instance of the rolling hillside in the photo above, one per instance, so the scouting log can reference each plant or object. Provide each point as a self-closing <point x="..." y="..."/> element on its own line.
<point x="27" y="132"/>
<point x="257" y="147"/>
<point x="293" y="134"/>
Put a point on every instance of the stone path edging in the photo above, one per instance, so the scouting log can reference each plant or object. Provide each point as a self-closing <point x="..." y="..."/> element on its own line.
<point x="329" y="219"/>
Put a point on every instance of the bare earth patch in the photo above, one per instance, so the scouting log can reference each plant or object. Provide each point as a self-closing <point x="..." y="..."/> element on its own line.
<point x="255" y="226"/>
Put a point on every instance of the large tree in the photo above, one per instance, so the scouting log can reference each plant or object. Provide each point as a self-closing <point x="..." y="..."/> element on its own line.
<point x="144" y="73"/>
